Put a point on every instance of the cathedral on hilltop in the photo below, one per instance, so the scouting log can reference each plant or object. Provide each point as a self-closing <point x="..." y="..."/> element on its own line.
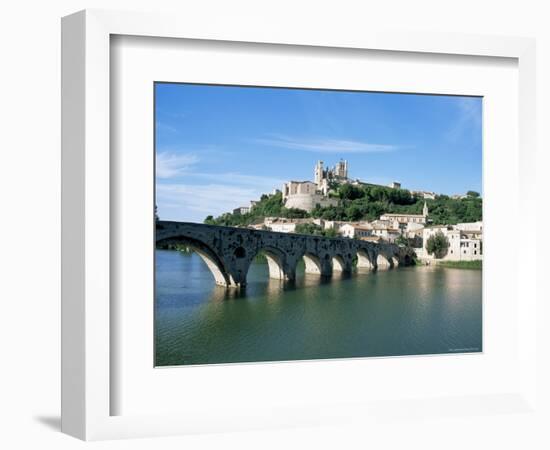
<point x="307" y="195"/>
<point x="323" y="177"/>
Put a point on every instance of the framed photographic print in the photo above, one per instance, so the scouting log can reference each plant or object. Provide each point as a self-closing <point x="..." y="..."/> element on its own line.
<point x="297" y="269"/>
<point x="266" y="228"/>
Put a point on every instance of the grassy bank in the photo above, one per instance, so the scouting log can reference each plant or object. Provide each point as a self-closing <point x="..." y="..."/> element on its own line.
<point x="462" y="264"/>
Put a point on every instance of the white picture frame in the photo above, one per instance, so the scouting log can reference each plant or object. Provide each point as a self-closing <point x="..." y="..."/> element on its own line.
<point x="86" y="198"/>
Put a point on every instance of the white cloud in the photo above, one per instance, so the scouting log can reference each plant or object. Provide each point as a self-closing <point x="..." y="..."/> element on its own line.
<point x="215" y="194"/>
<point x="184" y="202"/>
<point x="170" y="165"/>
<point x="325" y="145"/>
<point x="260" y="182"/>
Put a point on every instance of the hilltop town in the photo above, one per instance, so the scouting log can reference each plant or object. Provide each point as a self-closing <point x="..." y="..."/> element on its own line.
<point x="437" y="226"/>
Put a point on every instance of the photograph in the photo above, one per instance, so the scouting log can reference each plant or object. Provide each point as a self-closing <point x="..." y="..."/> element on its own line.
<point x="311" y="224"/>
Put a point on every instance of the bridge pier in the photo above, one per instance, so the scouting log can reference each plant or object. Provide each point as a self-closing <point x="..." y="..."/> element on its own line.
<point x="318" y="266"/>
<point x="364" y="260"/>
<point x="313" y="264"/>
<point x="383" y="263"/>
<point x="341" y="264"/>
<point x="279" y="268"/>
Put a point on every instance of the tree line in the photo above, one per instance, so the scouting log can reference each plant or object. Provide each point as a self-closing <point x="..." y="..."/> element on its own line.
<point x="363" y="202"/>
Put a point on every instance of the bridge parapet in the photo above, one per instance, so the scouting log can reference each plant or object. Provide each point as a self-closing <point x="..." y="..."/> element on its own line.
<point x="229" y="251"/>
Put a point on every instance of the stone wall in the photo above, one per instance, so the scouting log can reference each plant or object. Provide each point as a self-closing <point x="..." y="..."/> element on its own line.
<point x="307" y="202"/>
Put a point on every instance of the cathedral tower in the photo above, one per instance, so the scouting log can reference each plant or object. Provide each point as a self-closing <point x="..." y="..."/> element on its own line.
<point x="341" y="169"/>
<point x="319" y="173"/>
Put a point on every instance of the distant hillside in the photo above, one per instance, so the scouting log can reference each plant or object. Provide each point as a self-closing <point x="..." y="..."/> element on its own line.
<point x="366" y="202"/>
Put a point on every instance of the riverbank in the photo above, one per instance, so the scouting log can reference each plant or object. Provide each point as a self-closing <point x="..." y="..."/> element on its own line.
<point x="475" y="265"/>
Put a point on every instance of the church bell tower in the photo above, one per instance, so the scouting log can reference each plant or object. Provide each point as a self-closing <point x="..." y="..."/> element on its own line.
<point x="425" y="210"/>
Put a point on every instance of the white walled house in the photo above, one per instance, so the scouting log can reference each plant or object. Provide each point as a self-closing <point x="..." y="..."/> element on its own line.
<point x="475" y="229"/>
<point x="358" y="231"/>
<point x="387" y="230"/>
<point x="403" y="220"/>
<point x="414" y="227"/>
<point x="333" y="224"/>
<point x="463" y="245"/>
<point x="386" y="233"/>
<point x="426" y="195"/>
<point x="284" y="225"/>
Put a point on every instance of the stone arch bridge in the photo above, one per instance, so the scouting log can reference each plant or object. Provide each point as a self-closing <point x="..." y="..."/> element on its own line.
<point x="228" y="251"/>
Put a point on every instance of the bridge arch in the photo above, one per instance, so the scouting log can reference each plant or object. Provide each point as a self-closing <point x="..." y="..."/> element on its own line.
<point x="277" y="264"/>
<point x="208" y="255"/>
<point x="338" y="263"/>
<point x="383" y="262"/>
<point x="313" y="264"/>
<point x="341" y="263"/>
<point x="364" y="260"/>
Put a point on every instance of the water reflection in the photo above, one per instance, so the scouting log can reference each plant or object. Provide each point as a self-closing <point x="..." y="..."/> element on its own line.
<point x="395" y="312"/>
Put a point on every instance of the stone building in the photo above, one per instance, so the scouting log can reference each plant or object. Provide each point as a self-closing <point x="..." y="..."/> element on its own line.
<point x="426" y="195"/>
<point x="305" y="195"/>
<point x="465" y="241"/>
<point x="286" y="225"/>
<point x="404" y="219"/>
<point x="298" y="188"/>
<point x="283" y="224"/>
<point x="323" y="177"/>
<point x="355" y="230"/>
<point x="385" y="230"/>
<point x="241" y="210"/>
<point x="473" y="228"/>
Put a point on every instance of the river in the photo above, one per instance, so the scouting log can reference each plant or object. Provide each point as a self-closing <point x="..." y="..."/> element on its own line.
<point x="404" y="311"/>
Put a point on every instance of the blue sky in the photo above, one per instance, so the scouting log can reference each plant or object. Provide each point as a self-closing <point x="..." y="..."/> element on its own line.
<point x="218" y="147"/>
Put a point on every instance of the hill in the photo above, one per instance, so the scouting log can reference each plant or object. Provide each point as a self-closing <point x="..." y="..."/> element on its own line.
<point x="364" y="202"/>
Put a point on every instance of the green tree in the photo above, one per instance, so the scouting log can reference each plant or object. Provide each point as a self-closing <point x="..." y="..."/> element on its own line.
<point x="354" y="212"/>
<point x="437" y="245"/>
<point x="309" y="228"/>
<point x="330" y="232"/>
<point x="350" y="192"/>
<point x="401" y="197"/>
<point x="316" y="230"/>
<point x="294" y="213"/>
<point x="401" y="240"/>
<point x="364" y="202"/>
